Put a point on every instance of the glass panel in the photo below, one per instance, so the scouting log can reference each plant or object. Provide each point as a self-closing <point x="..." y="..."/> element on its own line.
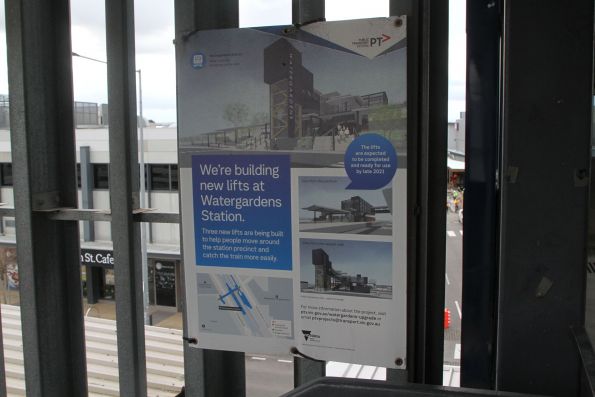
<point x="109" y="291"/>
<point x="160" y="177"/>
<point x="9" y="274"/>
<point x="165" y="283"/>
<point x="6" y="170"/>
<point x="78" y="176"/>
<point x="174" y="177"/>
<point x="151" y="282"/>
<point x="453" y="307"/>
<point x="100" y="176"/>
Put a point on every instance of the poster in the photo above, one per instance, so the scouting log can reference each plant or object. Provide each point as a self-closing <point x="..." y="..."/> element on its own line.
<point x="293" y="169"/>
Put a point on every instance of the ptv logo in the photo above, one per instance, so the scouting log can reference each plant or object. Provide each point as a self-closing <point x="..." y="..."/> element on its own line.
<point x="377" y="41"/>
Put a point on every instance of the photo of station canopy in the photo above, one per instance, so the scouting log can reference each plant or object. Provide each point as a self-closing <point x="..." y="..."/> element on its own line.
<point x="326" y="206"/>
<point x="273" y="91"/>
<point x="342" y="267"/>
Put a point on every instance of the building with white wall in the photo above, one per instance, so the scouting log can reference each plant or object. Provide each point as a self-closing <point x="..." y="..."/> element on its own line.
<point x="456" y="134"/>
<point x="163" y="240"/>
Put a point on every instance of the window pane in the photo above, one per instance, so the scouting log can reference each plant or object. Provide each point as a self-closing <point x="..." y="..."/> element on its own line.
<point x="160" y="177"/>
<point x="174" y="177"/>
<point x="78" y="176"/>
<point x="100" y="176"/>
<point x="6" y="174"/>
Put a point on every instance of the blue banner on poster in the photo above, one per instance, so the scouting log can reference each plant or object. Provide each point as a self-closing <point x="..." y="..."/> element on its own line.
<point x="242" y="211"/>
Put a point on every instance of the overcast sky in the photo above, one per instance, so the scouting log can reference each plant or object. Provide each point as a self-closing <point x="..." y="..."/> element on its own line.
<point x="155" y="51"/>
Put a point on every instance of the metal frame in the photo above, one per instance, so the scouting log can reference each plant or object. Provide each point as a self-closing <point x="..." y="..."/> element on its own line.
<point x="42" y="135"/>
<point x="47" y="216"/>
<point x="481" y="248"/>
<point x="208" y="372"/>
<point x="427" y="95"/>
<point x="303" y="12"/>
<point x="546" y="139"/>
<point x="124" y="196"/>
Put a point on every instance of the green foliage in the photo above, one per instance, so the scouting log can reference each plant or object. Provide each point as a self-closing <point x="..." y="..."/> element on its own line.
<point x="391" y="122"/>
<point x="236" y="113"/>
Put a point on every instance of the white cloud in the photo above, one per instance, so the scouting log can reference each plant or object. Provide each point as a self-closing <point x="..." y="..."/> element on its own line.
<point x="154" y="24"/>
<point x="355" y="9"/>
<point x="457" y="58"/>
<point x="264" y="12"/>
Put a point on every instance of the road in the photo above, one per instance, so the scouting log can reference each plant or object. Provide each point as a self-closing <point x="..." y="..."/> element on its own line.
<point x="453" y="287"/>
<point x="270" y="376"/>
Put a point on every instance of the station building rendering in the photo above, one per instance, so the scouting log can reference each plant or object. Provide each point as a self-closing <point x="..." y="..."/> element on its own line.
<point x="97" y="260"/>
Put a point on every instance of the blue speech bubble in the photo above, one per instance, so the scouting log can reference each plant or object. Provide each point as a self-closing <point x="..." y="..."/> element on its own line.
<point x="370" y="162"/>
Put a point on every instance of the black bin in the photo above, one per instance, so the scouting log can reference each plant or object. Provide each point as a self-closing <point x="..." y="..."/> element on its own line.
<point x="345" y="387"/>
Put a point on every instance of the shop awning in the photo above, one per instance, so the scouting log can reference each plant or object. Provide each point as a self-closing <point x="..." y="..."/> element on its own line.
<point x="455" y="165"/>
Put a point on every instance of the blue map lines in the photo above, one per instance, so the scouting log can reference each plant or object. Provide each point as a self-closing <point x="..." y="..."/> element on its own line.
<point x="246" y="305"/>
<point x="232" y="291"/>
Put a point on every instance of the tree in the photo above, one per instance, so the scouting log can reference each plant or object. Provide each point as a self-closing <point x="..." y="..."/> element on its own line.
<point x="236" y="113"/>
<point x="260" y="118"/>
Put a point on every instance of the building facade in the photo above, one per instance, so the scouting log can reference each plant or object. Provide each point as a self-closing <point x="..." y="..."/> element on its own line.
<point x="97" y="263"/>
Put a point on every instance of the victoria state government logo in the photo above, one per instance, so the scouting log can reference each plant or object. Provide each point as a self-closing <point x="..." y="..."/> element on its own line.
<point x="310" y="337"/>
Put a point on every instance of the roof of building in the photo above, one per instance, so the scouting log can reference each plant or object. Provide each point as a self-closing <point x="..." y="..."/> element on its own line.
<point x="325" y="210"/>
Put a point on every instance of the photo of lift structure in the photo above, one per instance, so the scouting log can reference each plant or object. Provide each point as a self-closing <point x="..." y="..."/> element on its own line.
<point x="327" y="206"/>
<point x="369" y="280"/>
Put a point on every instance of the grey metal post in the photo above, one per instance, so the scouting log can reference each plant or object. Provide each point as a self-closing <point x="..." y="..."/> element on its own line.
<point x="86" y="170"/>
<point x="481" y="248"/>
<point x="208" y="372"/>
<point x="124" y="197"/>
<point x="427" y="76"/>
<point x="43" y="148"/>
<point x="546" y="157"/>
<point x="304" y="11"/>
<point x="2" y="368"/>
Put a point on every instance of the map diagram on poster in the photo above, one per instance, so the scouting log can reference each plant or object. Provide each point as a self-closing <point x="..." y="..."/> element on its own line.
<point x="241" y="305"/>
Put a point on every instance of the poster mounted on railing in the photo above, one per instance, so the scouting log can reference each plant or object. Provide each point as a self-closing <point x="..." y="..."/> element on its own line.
<point x="293" y="169"/>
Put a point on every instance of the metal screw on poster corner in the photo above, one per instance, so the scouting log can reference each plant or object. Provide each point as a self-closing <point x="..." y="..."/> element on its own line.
<point x="142" y="192"/>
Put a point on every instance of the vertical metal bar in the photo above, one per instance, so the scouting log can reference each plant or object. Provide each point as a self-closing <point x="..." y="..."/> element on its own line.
<point x="208" y="372"/>
<point x="124" y="196"/>
<point x="432" y="172"/>
<point x="546" y="141"/>
<point x="396" y="8"/>
<point x="405" y="7"/>
<point x="481" y="248"/>
<point x="86" y="171"/>
<point x="43" y="152"/>
<point x="304" y="11"/>
<point x="428" y="98"/>
<point x="2" y="368"/>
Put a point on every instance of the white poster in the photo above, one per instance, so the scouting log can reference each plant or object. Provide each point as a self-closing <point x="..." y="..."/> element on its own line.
<point x="293" y="168"/>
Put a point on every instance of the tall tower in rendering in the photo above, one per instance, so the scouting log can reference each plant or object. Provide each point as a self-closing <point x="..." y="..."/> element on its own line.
<point x="322" y="269"/>
<point x="291" y="89"/>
